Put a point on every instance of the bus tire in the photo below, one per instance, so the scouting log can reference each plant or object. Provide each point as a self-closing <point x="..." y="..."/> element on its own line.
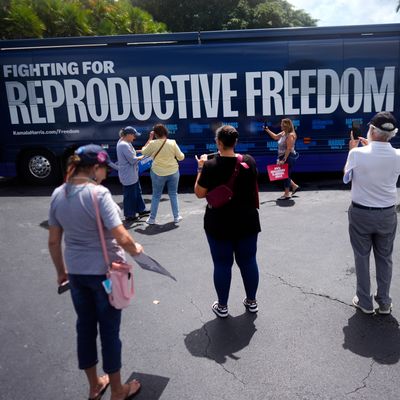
<point x="39" y="167"/>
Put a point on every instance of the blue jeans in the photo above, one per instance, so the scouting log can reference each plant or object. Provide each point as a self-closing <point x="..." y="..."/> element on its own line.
<point x="94" y="309"/>
<point x="133" y="201"/>
<point x="222" y="253"/>
<point x="158" y="183"/>
<point x="290" y="161"/>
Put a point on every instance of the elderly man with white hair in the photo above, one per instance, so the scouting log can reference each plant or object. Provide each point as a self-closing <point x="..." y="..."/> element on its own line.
<point x="373" y="170"/>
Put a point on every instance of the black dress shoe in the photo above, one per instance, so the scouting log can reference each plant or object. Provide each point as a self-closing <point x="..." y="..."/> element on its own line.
<point x="144" y="213"/>
<point x="131" y="219"/>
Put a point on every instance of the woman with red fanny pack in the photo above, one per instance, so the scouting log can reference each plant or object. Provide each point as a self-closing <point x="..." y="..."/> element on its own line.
<point x="231" y="229"/>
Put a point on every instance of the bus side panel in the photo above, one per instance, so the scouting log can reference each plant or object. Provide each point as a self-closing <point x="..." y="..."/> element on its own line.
<point x="52" y="102"/>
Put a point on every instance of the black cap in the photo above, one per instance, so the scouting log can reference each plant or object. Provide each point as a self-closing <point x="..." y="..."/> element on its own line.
<point x="384" y="121"/>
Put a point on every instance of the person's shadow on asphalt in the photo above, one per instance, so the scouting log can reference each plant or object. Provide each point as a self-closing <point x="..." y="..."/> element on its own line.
<point x="153" y="386"/>
<point x="155" y="229"/>
<point x="376" y="337"/>
<point x="285" y="203"/>
<point x="221" y="338"/>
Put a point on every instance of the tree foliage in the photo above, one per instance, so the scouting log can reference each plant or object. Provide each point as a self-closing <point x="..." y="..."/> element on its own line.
<point x="197" y="15"/>
<point x="62" y="18"/>
<point x="18" y="17"/>
<point x="52" y="18"/>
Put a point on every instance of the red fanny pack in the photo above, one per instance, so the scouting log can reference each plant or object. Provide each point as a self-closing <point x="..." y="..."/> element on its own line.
<point x="223" y="194"/>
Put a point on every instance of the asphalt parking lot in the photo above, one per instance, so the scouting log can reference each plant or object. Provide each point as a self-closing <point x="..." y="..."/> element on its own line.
<point x="306" y="342"/>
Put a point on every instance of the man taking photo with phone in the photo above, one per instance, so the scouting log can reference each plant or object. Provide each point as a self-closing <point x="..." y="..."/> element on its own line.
<point x="373" y="170"/>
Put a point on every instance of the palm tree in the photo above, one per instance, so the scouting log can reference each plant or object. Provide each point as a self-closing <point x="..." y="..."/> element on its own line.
<point x="21" y="21"/>
<point x="63" y="17"/>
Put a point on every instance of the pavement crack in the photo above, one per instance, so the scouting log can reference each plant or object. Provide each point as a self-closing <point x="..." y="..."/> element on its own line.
<point x="209" y="342"/>
<point x="198" y="309"/>
<point x="204" y="328"/>
<point x="307" y="292"/>
<point x="364" y="381"/>
<point x="232" y="373"/>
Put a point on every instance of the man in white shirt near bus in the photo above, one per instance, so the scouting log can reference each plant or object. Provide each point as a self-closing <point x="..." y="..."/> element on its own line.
<point x="373" y="170"/>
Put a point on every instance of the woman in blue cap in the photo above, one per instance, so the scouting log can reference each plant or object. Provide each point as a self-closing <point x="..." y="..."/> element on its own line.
<point x="128" y="173"/>
<point x="72" y="216"/>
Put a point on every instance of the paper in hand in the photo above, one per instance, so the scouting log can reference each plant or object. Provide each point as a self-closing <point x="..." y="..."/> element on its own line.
<point x="150" y="264"/>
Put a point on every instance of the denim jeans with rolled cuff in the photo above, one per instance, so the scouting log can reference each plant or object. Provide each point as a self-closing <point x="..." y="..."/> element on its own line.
<point x="94" y="312"/>
<point x="158" y="182"/>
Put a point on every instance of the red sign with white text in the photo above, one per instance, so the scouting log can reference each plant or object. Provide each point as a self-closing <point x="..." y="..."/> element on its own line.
<point x="278" y="172"/>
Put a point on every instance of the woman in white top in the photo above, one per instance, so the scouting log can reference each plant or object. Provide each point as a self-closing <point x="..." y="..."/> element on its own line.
<point x="286" y="153"/>
<point x="164" y="170"/>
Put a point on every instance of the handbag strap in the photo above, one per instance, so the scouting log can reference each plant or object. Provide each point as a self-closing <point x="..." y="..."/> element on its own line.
<point x="232" y="179"/>
<point x="257" y="196"/>
<point x="155" y="155"/>
<point x="100" y="227"/>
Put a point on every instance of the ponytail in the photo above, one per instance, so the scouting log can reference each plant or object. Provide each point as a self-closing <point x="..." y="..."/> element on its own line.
<point x="72" y="164"/>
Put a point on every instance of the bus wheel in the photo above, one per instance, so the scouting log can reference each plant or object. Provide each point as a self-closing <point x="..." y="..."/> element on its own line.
<point x="39" y="167"/>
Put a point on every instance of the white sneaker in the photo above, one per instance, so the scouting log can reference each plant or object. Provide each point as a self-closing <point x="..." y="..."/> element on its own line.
<point x="178" y="219"/>
<point x="150" y="221"/>
<point x="356" y="304"/>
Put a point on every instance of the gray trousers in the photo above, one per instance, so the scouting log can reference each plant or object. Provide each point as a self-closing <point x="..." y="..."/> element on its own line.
<point x="372" y="229"/>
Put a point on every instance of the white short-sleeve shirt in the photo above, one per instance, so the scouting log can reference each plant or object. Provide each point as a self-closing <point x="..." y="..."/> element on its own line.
<point x="373" y="171"/>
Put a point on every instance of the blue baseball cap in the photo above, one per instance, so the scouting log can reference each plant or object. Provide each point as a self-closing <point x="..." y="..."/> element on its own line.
<point x="92" y="154"/>
<point x="129" y="130"/>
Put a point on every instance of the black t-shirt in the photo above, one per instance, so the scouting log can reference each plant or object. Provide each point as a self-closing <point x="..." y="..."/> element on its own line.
<point x="239" y="217"/>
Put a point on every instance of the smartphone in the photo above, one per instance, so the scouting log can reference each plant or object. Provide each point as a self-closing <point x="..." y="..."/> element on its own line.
<point x="63" y="287"/>
<point x="211" y="155"/>
<point x="107" y="284"/>
<point x="265" y="125"/>
<point x="356" y="128"/>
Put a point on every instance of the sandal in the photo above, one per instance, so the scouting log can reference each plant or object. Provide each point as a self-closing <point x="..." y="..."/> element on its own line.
<point x="295" y="190"/>
<point x="103" y="389"/>
<point x="284" y="197"/>
<point x="134" y="387"/>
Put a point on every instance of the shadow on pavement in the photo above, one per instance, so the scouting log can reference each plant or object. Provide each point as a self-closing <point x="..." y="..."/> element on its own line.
<point x="153" y="386"/>
<point x="376" y="337"/>
<point x="308" y="181"/>
<point x="285" y="203"/>
<point x="151" y="230"/>
<point x="221" y="338"/>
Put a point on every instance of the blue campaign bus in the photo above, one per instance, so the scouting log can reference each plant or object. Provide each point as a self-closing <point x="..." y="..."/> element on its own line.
<point x="63" y="92"/>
